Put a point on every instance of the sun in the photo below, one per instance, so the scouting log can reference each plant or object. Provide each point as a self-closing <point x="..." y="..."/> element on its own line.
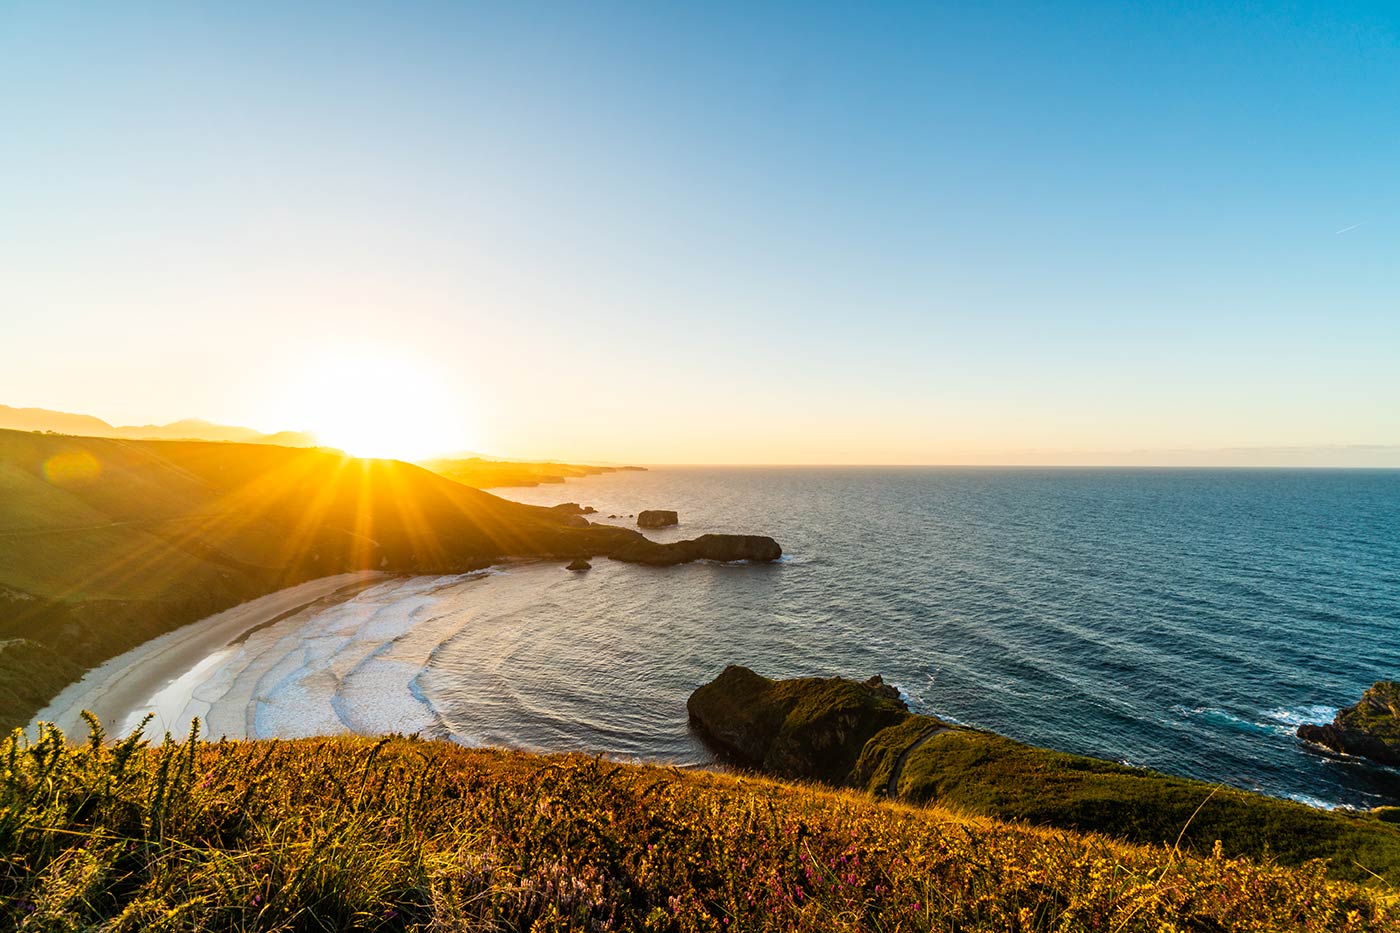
<point x="376" y="404"/>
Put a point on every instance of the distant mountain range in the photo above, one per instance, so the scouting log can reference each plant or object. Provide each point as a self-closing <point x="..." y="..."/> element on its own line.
<point x="188" y="429"/>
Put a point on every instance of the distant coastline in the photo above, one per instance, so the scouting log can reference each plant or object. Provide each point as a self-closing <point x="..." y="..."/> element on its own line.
<point x="483" y="473"/>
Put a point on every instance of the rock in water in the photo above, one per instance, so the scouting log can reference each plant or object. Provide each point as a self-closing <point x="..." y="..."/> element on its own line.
<point x="579" y="563"/>
<point x="657" y="518"/>
<point x="723" y="548"/>
<point x="737" y="547"/>
<point x="1370" y="729"/>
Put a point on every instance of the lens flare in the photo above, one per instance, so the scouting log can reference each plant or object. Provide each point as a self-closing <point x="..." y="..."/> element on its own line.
<point x="72" y="468"/>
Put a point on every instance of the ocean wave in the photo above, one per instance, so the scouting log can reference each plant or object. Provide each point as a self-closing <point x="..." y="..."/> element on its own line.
<point x="1296" y="716"/>
<point x="1317" y="803"/>
<point x="1221" y="717"/>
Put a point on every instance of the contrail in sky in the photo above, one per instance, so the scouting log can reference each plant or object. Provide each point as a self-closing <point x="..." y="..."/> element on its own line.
<point x="1346" y="229"/>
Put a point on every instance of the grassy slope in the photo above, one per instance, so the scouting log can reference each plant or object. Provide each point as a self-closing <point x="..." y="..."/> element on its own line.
<point x="105" y="543"/>
<point x="979" y="772"/>
<point x="30" y="673"/>
<point x="846" y="736"/>
<point x="404" y="834"/>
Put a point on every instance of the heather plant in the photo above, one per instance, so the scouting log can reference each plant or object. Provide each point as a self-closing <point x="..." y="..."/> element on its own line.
<point x="404" y="834"/>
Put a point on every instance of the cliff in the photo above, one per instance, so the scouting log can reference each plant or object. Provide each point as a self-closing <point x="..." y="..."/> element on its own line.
<point x="808" y="728"/>
<point x="1369" y="729"/>
<point x="850" y="734"/>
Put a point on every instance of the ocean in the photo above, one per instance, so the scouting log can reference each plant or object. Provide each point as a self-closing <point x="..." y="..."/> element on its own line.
<point x="1184" y="620"/>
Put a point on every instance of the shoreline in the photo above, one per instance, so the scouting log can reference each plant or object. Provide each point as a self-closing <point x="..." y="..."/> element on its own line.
<point x="150" y="677"/>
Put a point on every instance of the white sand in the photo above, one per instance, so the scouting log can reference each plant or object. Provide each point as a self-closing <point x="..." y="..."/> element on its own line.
<point x="161" y="675"/>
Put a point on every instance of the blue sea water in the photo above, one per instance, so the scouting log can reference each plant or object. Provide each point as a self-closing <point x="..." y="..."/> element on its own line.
<point x="1185" y="620"/>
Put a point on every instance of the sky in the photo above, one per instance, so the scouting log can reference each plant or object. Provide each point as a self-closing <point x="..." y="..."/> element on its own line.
<point x="713" y="233"/>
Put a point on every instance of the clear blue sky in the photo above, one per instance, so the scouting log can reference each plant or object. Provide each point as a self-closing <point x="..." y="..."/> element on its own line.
<point x="1094" y="232"/>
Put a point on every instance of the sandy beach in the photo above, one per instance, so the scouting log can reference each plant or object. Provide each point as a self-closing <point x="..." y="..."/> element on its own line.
<point x="158" y="676"/>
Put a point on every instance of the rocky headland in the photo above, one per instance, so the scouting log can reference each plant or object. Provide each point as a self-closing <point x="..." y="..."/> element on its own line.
<point x="861" y="735"/>
<point x="1368" y="729"/>
<point x="812" y="727"/>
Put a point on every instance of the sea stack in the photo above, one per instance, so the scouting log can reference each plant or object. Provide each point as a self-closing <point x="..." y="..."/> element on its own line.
<point x="657" y="518"/>
<point x="1370" y="729"/>
<point x="578" y="564"/>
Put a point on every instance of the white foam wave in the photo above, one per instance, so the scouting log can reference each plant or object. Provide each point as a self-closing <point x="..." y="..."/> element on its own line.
<point x="1298" y="715"/>
<point x="330" y="670"/>
<point x="1317" y="803"/>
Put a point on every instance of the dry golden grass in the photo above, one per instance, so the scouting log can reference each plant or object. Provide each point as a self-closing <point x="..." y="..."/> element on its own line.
<point x="411" y="835"/>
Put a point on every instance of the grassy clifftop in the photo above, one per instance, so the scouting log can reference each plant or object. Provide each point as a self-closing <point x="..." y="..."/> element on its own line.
<point x="409" y="835"/>
<point x="849" y="734"/>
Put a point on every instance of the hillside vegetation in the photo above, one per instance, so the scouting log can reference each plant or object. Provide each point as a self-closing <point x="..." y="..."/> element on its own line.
<point x="105" y="543"/>
<point x="852" y="735"/>
<point x="401" y="834"/>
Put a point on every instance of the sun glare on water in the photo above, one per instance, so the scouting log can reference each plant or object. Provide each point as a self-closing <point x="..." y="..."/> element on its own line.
<point x="373" y="405"/>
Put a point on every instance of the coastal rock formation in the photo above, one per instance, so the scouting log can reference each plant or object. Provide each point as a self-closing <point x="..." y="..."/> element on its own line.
<point x="860" y="735"/>
<point x="877" y="684"/>
<point x="1370" y="729"/>
<point x="657" y="518"/>
<point x="811" y="727"/>
<point x="579" y="563"/>
<point x="723" y="548"/>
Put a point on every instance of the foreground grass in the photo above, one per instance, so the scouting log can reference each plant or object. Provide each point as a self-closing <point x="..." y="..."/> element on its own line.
<point x="404" y="834"/>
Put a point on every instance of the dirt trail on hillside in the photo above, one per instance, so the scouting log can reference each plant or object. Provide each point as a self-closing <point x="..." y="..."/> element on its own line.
<point x="898" y="769"/>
